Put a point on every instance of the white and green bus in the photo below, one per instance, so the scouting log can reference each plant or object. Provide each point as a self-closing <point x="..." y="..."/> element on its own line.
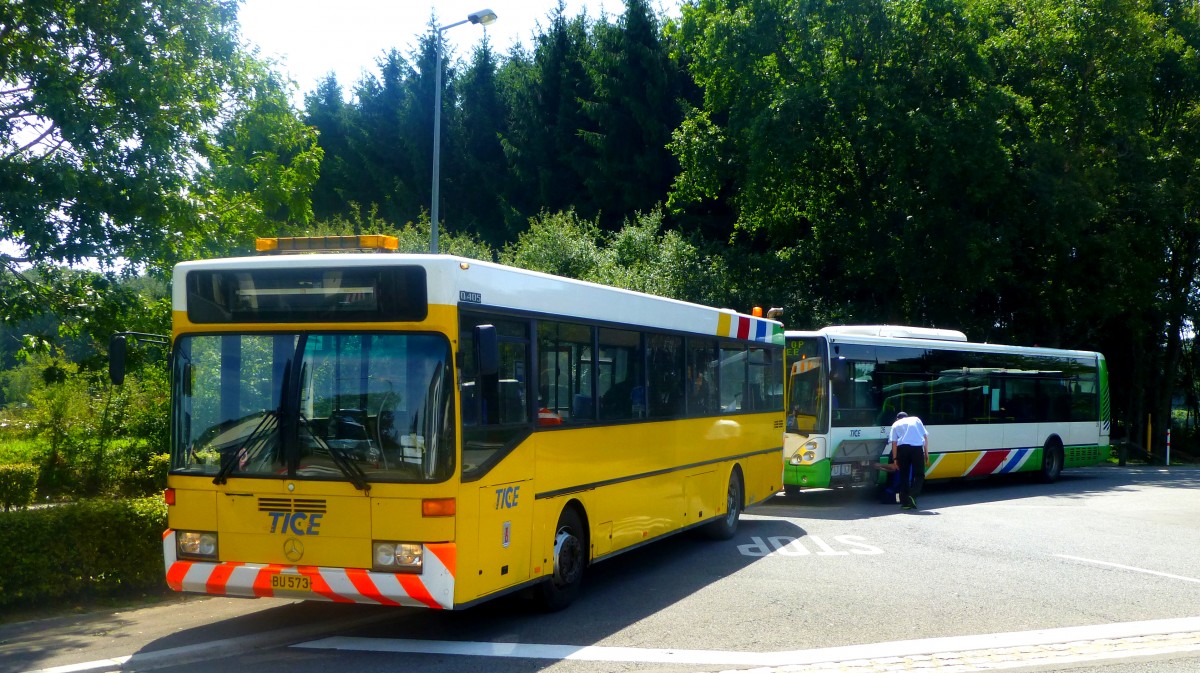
<point x="990" y="409"/>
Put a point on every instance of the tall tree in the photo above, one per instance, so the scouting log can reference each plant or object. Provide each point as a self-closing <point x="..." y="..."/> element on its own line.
<point x="856" y="135"/>
<point x="546" y="116"/>
<point x="325" y="109"/>
<point x="1106" y="255"/>
<point x="262" y="164"/>
<point x="481" y="184"/>
<point x="633" y="108"/>
<point x="383" y="147"/>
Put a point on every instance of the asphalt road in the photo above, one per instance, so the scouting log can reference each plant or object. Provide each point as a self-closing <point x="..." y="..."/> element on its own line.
<point x="1097" y="573"/>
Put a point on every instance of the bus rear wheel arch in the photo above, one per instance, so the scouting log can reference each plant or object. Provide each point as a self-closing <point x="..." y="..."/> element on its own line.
<point x="570" y="557"/>
<point x="725" y="527"/>
<point x="1052" y="460"/>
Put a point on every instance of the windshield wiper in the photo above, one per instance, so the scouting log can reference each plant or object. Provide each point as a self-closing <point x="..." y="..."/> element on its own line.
<point x="348" y="467"/>
<point x="268" y="422"/>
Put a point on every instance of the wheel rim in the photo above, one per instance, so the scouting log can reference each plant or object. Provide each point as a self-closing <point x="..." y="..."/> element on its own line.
<point x="1053" y="463"/>
<point x="568" y="557"/>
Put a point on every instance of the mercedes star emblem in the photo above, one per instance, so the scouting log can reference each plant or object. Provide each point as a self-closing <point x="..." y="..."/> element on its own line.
<point x="293" y="549"/>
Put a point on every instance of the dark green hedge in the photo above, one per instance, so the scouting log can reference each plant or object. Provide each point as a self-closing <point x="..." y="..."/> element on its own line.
<point x="18" y="485"/>
<point x="84" y="550"/>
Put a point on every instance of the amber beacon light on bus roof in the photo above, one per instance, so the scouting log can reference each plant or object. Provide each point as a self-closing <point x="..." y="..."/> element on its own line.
<point x="299" y="244"/>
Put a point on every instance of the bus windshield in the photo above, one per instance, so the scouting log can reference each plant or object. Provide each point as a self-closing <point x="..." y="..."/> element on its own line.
<point x="807" y="377"/>
<point x="342" y="406"/>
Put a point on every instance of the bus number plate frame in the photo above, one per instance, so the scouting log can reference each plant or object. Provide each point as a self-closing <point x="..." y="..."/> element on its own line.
<point x="288" y="582"/>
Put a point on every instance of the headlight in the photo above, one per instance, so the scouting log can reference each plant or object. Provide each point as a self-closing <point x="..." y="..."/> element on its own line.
<point x="404" y="557"/>
<point x="196" y="545"/>
<point x="810" y="451"/>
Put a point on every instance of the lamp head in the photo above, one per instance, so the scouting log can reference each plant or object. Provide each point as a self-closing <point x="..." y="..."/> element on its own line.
<point x="483" y="17"/>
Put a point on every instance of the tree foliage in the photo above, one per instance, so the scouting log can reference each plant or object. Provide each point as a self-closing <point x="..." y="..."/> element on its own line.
<point x="1008" y="169"/>
<point x="134" y="134"/>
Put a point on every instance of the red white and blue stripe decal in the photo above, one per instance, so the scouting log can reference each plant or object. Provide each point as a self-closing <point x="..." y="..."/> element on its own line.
<point x="979" y="463"/>
<point x="748" y="328"/>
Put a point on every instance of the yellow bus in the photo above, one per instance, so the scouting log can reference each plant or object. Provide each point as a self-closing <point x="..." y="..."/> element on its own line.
<point x="428" y="430"/>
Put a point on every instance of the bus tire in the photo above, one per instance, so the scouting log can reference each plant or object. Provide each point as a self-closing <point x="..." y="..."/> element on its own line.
<point x="725" y="527"/>
<point x="1052" y="461"/>
<point x="570" y="557"/>
<point x="791" y="490"/>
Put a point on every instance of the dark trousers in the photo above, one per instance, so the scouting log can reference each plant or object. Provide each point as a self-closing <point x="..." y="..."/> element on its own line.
<point x="910" y="460"/>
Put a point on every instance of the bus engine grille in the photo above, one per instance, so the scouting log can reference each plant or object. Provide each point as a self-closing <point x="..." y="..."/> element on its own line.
<point x="309" y="505"/>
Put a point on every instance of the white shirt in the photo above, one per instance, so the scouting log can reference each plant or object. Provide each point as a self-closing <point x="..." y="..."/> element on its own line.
<point x="910" y="431"/>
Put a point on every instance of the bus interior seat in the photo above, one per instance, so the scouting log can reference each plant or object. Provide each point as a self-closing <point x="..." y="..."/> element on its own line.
<point x="753" y="401"/>
<point x="581" y="407"/>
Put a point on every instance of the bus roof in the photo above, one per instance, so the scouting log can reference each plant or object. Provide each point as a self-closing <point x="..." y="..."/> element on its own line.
<point x="897" y="332"/>
<point x="461" y="281"/>
<point x="890" y="335"/>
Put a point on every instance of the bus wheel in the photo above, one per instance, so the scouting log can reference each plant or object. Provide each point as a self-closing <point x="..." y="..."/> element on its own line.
<point x="1052" y="461"/>
<point x="726" y="526"/>
<point x="570" y="543"/>
<point x="791" y="490"/>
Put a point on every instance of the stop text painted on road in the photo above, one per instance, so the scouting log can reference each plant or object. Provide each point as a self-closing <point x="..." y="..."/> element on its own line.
<point x="784" y="545"/>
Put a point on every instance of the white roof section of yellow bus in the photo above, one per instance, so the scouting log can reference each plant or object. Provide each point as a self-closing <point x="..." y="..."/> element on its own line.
<point x="500" y="286"/>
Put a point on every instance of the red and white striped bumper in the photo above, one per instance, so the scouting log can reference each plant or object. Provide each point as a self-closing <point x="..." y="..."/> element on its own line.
<point x="433" y="588"/>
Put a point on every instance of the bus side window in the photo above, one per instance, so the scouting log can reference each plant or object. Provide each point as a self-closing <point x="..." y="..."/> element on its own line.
<point x="565" y="373"/>
<point x="666" y="376"/>
<point x="702" y="360"/>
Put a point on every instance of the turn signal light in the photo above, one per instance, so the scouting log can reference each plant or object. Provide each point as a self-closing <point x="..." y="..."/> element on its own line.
<point x="438" y="507"/>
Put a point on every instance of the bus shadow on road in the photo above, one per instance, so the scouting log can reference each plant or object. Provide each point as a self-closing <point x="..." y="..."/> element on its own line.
<point x="617" y="593"/>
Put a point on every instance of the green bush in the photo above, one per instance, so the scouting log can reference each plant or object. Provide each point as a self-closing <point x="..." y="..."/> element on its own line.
<point x="18" y="485"/>
<point x="147" y="479"/>
<point x="94" y="439"/>
<point x="64" y="419"/>
<point x="85" y="550"/>
<point x="17" y="450"/>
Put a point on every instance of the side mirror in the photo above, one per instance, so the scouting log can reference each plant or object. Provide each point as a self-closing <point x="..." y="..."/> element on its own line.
<point x="116" y="359"/>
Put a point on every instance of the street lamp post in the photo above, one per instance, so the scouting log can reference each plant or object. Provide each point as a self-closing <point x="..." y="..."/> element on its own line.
<point x="483" y="17"/>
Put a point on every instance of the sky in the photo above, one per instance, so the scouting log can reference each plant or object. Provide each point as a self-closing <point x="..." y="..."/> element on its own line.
<point x="311" y="38"/>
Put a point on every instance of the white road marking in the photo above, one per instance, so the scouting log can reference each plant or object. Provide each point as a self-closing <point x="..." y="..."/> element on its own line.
<point x="1130" y="568"/>
<point x="1049" y="639"/>
<point x="115" y="664"/>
